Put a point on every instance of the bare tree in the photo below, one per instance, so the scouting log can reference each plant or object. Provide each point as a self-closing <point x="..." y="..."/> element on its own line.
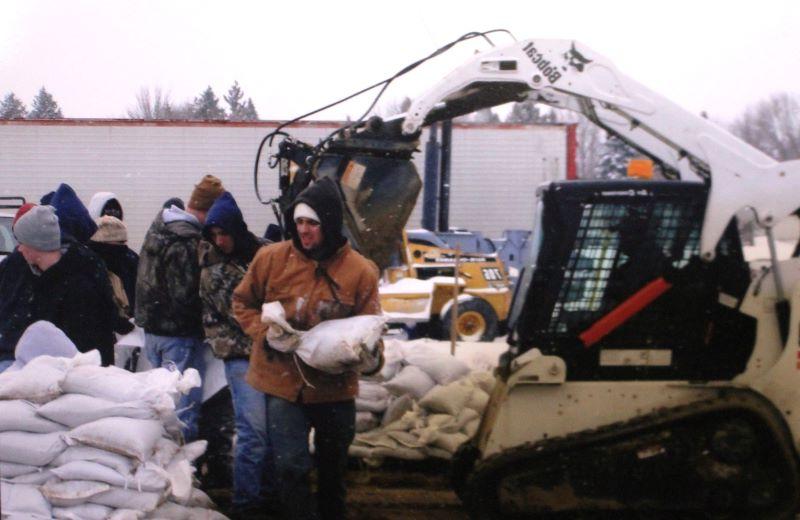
<point x="151" y="106"/>
<point x="772" y="126"/>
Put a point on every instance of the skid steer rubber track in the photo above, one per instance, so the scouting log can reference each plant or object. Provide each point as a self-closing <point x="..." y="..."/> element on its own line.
<point x="727" y="457"/>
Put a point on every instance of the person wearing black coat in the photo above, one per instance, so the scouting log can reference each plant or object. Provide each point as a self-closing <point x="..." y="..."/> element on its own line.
<point x="110" y="242"/>
<point x="65" y="283"/>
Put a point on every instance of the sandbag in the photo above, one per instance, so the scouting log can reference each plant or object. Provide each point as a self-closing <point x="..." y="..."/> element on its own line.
<point x="119" y="385"/>
<point x="22" y="501"/>
<point x="173" y="511"/>
<point x="164" y="451"/>
<point x="397" y="407"/>
<point x="82" y="512"/>
<point x="449" y="399"/>
<point x="120" y="498"/>
<point x="449" y="441"/>
<point x="135" y="438"/>
<point x="115" y="461"/>
<point x="73" y="492"/>
<point x="35" y="478"/>
<point x="484" y="380"/>
<point x="477" y="400"/>
<point x="126" y="514"/>
<point x="333" y="346"/>
<point x="73" y="410"/>
<point x="411" y="380"/>
<point x="38" y="381"/>
<point x="33" y="449"/>
<point x="11" y="470"/>
<point x="20" y="416"/>
<point x="366" y="405"/>
<point x="180" y="473"/>
<point x="366" y="421"/>
<point x="443" y="369"/>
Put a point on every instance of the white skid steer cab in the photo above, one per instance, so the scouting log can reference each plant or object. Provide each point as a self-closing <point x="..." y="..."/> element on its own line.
<point x="647" y="372"/>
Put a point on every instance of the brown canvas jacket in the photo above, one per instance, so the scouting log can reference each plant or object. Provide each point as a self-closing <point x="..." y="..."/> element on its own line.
<point x="280" y="272"/>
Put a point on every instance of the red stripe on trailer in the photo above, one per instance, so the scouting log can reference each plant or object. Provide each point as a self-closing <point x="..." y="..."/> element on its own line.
<point x="572" y="150"/>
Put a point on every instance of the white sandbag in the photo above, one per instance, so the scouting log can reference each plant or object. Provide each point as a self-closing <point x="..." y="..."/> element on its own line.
<point x="449" y="399"/>
<point x="36" y="478"/>
<point x="440" y="421"/>
<point x="392" y="360"/>
<point x="406" y="439"/>
<point x="180" y="473"/>
<point x="372" y="391"/>
<point x="443" y="369"/>
<point x="119" y="385"/>
<point x="38" y="381"/>
<point x="410" y="420"/>
<point x="360" y="452"/>
<point x="366" y="421"/>
<point x="34" y="449"/>
<point x="135" y="438"/>
<point x="411" y="380"/>
<point x="149" y="477"/>
<point x="336" y="346"/>
<point x="92" y="471"/>
<point x="20" y="416"/>
<point x="164" y="451"/>
<point x="376" y="439"/>
<point x="21" y="501"/>
<point x="438" y="453"/>
<point x="466" y="416"/>
<point x="173" y="511"/>
<point x="397" y="407"/>
<point x="120" y="498"/>
<point x="73" y="492"/>
<point x="366" y="405"/>
<point x="399" y="453"/>
<point x="471" y="428"/>
<point x="200" y="499"/>
<point x="126" y="514"/>
<point x="115" y="461"/>
<point x="82" y="512"/>
<point x="333" y="346"/>
<point x="449" y="441"/>
<point x="477" y="400"/>
<point x="194" y="450"/>
<point x="484" y="380"/>
<point x="72" y="410"/>
<point x="11" y="470"/>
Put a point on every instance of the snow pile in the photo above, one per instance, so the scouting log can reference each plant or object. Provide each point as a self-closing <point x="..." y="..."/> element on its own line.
<point x="425" y="402"/>
<point x="81" y="441"/>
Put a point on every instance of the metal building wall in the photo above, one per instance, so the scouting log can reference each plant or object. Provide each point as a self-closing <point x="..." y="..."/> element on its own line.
<point x="495" y="168"/>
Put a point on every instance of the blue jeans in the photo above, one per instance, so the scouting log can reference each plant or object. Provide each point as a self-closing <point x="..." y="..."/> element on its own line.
<point x="180" y="353"/>
<point x="252" y="457"/>
<point x="334" y="429"/>
<point x="5" y="364"/>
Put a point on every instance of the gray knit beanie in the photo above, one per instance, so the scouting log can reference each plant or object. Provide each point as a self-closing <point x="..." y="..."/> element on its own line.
<point x="39" y="229"/>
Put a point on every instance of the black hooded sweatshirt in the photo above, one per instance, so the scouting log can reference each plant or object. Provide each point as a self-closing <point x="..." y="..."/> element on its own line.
<point x="323" y="196"/>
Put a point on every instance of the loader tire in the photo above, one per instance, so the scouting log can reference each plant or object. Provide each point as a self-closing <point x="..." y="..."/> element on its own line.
<point x="476" y="321"/>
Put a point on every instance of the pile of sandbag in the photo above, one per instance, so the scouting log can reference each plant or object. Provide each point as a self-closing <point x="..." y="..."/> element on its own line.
<point x="81" y="441"/>
<point x="422" y="404"/>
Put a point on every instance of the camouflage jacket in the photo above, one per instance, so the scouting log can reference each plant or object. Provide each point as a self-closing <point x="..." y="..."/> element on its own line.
<point x="168" y="278"/>
<point x="219" y="276"/>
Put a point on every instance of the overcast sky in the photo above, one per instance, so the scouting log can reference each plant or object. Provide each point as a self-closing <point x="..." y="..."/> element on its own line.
<point x="291" y="57"/>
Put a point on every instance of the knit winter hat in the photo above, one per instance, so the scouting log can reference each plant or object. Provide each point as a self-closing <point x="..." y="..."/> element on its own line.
<point x="22" y="210"/>
<point x="110" y="229"/>
<point x="205" y="193"/>
<point x="39" y="229"/>
<point x="303" y="210"/>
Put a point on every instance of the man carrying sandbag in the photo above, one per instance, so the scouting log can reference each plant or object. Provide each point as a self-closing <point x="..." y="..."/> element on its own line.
<point x="316" y="277"/>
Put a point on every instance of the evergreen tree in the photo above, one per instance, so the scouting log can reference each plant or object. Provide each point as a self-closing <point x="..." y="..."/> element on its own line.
<point x="12" y="108"/>
<point x="528" y="112"/>
<point x="613" y="163"/>
<point x="250" y="113"/>
<point x="45" y="107"/>
<point x="234" y="100"/>
<point x="207" y="106"/>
